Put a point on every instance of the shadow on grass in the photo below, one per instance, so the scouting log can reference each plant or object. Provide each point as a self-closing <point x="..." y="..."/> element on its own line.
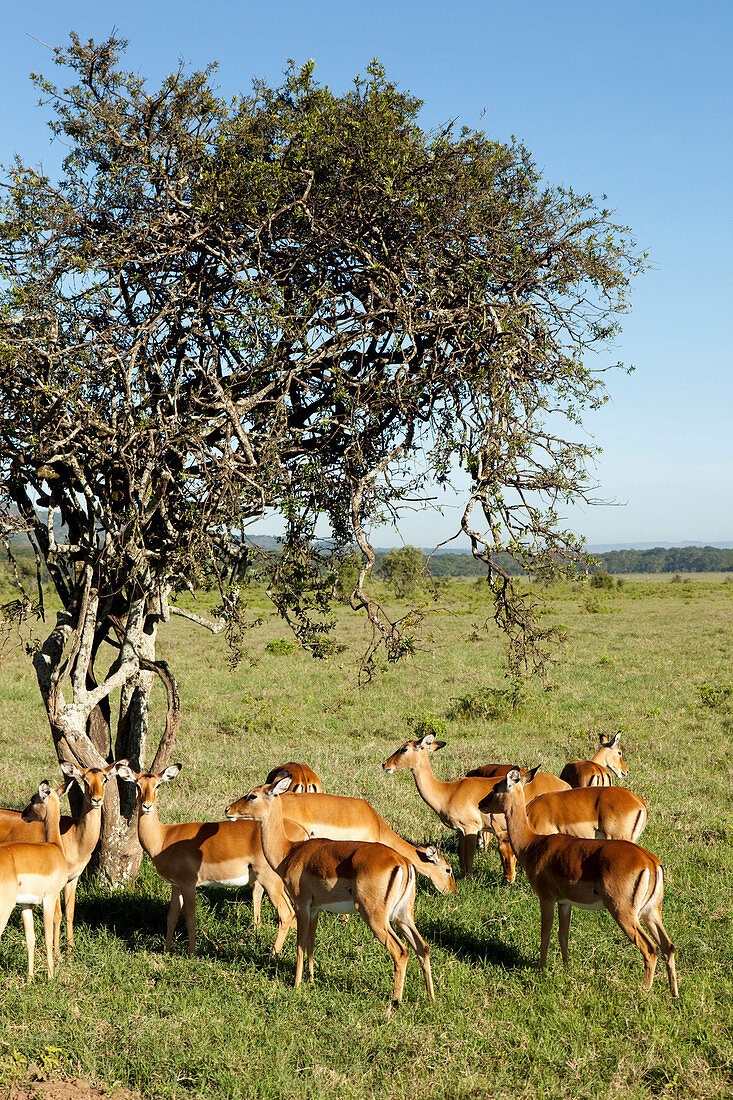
<point x="465" y="943"/>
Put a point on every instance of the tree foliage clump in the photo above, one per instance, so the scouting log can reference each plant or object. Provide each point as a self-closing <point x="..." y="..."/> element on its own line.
<point x="294" y="301"/>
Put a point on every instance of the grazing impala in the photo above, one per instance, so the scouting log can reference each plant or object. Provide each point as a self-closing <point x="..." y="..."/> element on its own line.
<point x="456" y="802"/>
<point x="336" y="817"/>
<point x="79" y="835"/>
<point x="611" y="812"/>
<point x="340" y="876"/>
<point x="596" y="772"/>
<point x="567" y="870"/>
<point x="303" y="780"/>
<point x="202" y="853"/>
<point x="34" y="874"/>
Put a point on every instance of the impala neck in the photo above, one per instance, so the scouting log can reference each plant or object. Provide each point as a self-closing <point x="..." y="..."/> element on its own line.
<point x="430" y="789"/>
<point x="150" y="830"/>
<point x="52" y="821"/>
<point x="517" y="824"/>
<point x="84" y="831"/>
<point x="275" y="844"/>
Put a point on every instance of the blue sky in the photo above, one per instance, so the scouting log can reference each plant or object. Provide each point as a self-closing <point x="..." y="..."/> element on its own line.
<point x="630" y="98"/>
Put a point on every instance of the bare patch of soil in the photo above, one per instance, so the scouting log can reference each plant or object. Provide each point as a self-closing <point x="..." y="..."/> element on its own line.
<point x="71" y="1089"/>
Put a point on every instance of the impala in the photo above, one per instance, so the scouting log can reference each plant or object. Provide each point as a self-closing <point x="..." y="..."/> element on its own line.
<point x="79" y="835"/>
<point x="340" y="876"/>
<point x="336" y="817"/>
<point x="34" y="874"/>
<point x="567" y="870"/>
<point x="596" y="772"/>
<point x="456" y="802"/>
<point x="204" y="853"/>
<point x="303" y="780"/>
<point x="611" y="812"/>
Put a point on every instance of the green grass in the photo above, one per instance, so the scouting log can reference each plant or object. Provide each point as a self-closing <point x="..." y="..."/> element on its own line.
<point x="228" y="1023"/>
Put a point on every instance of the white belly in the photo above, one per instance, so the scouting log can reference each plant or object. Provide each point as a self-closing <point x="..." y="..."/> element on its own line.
<point x="243" y="880"/>
<point x="337" y="907"/>
<point x="581" y="904"/>
<point x="28" y="899"/>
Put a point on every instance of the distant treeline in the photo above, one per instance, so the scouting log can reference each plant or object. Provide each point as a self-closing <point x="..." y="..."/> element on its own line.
<point x="675" y="559"/>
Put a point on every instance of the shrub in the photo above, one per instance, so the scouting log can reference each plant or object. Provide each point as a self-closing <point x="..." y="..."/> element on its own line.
<point x="487" y="702"/>
<point x="427" y="722"/>
<point x="602" y="580"/>
<point x="280" y="645"/>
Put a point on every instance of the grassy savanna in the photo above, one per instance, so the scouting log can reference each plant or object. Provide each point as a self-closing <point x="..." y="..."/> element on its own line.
<point x="651" y="658"/>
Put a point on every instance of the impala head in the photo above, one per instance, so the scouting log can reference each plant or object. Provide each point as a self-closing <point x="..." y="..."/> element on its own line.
<point x="497" y="800"/>
<point x="37" y="807"/>
<point x="91" y="780"/>
<point x="612" y="756"/>
<point x="147" y="783"/>
<point x="409" y="755"/>
<point x="257" y="804"/>
<point x="442" y="878"/>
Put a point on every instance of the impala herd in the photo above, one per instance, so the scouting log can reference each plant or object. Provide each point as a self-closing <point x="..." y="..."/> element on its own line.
<point x="574" y="836"/>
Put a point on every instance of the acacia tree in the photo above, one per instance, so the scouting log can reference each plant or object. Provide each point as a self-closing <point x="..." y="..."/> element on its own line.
<point x="280" y="302"/>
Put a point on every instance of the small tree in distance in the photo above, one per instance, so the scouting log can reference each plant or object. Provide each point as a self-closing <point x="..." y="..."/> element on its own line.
<point x="223" y="308"/>
<point x="403" y="568"/>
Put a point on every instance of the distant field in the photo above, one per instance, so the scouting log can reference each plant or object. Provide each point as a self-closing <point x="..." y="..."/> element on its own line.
<point x="651" y="658"/>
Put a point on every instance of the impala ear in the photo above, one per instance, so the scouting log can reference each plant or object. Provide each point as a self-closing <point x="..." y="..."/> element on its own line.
<point x="616" y="740"/>
<point x="124" y="771"/>
<point x="65" y="787"/>
<point x="70" y="769"/>
<point x="170" y="773"/>
<point x="44" y="790"/>
<point x="513" y="777"/>
<point x="280" y="786"/>
<point x="114" y="769"/>
<point x="529" y="775"/>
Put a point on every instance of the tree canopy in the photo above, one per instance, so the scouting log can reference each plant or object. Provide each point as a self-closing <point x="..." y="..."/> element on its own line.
<point x="297" y="301"/>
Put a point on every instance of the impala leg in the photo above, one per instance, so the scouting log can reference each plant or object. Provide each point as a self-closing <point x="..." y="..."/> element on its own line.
<point x="653" y="920"/>
<point x="628" y="923"/>
<point x="189" y="912"/>
<point x="563" y="929"/>
<point x="69" y="910"/>
<point x="421" y="949"/>
<point x="174" y="911"/>
<point x="303" y="922"/>
<point x="312" y="925"/>
<point x="257" y="892"/>
<point x="547" y="915"/>
<point x="399" y="953"/>
<point x="272" y="885"/>
<point x="50" y="907"/>
<point x="30" y="938"/>
<point x="462" y="853"/>
<point x="470" y="840"/>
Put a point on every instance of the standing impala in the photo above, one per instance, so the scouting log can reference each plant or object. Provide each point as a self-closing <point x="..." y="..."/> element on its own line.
<point x="567" y="870"/>
<point x="79" y="835"/>
<point x="204" y="853"/>
<point x="596" y="772"/>
<point x="456" y="802"/>
<point x="340" y="876"/>
<point x="34" y="874"/>
<point x="336" y="817"/>
<point x="611" y="812"/>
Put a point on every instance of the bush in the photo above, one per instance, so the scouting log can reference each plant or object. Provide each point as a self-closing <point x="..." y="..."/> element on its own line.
<point x="420" y="724"/>
<point x="487" y="702"/>
<point x="602" y="580"/>
<point x="280" y="645"/>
